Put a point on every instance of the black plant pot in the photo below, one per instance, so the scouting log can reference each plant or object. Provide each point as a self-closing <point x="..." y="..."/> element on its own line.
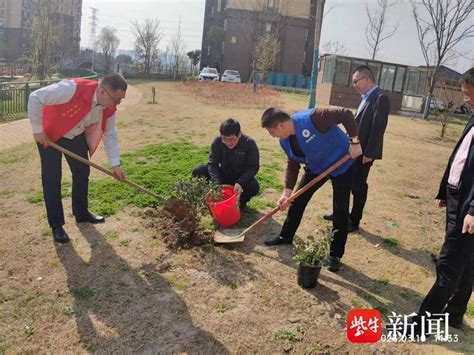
<point x="308" y="275"/>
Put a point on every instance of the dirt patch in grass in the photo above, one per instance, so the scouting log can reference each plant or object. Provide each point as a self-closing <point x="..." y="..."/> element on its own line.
<point x="232" y="94"/>
<point x="176" y="233"/>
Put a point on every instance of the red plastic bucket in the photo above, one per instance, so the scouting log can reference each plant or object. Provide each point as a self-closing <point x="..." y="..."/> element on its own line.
<point x="226" y="212"/>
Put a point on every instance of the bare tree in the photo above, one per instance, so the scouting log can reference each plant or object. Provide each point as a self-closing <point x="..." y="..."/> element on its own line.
<point x="194" y="56"/>
<point x="148" y="35"/>
<point x="376" y="31"/>
<point x="443" y="25"/>
<point x="267" y="51"/>
<point x="124" y="59"/>
<point x="108" y="43"/>
<point x="335" y="47"/>
<point x="177" y="51"/>
<point x="45" y="36"/>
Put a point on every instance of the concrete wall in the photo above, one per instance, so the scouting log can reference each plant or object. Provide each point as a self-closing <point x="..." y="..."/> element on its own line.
<point x="292" y="50"/>
<point x="295" y="8"/>
<point x="238" y="49"/>
<point x="13" y="12"/>
<point x="13" y="43"/>
<point x="291" y="8"/>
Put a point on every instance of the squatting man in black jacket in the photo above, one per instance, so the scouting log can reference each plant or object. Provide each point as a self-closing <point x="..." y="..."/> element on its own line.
<point x="233" y="160"/>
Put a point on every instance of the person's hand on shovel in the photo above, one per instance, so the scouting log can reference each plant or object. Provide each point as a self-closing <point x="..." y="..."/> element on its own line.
<point x="118" y="173"/>
<point x="283" y="200"/>
<point x="41" y="138"/>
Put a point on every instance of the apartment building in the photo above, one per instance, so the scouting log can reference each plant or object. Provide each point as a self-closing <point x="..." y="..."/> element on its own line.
<point x="232" y="29"/>
<point x="16" y="21"/>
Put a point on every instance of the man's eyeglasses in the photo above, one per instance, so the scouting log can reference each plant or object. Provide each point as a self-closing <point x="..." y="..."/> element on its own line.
<point x="229" y="139"/>
<point x="354" y="82"/>
<point x="116" y="101"/>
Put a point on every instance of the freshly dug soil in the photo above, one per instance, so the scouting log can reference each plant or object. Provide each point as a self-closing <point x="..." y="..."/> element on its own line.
<point x="177" y="233"/>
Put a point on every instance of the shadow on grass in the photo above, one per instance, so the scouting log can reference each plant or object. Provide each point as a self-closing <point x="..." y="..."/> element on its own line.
<point x="120" y="309"/>
<point x="233" y="267"/>
<point x="418" y="257"/>
<point x="398" y="299"/>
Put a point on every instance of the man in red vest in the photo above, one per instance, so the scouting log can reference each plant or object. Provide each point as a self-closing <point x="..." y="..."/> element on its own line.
<point x="75" y="114"/>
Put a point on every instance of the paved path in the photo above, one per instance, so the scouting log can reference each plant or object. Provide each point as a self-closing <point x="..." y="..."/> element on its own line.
<point x="18" y="132"/>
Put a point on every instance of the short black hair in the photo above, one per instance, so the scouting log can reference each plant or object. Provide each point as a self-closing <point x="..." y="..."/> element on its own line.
<point x="365" y="70"/>
<point x="230" y="127"/>
<point x="114" y="81"/>
<point x="272" y="116"/>
<point x="468" y="77"/>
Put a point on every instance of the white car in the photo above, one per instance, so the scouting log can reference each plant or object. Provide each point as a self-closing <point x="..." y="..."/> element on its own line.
<point x="231" y="76"/>
<point x="209" y="74"/>
<point x="437" y="104"/>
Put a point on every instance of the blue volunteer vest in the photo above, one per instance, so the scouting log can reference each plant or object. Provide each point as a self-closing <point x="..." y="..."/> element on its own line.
<point x="321" y="150"/>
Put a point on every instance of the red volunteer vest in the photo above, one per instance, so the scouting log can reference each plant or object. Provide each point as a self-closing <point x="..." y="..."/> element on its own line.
<point x="60" y="119"/>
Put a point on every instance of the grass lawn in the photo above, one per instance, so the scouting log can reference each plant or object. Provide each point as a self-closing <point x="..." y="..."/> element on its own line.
<point x="117" y="287"/>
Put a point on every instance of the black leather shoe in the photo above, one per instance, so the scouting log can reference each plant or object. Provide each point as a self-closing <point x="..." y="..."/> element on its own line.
<point x="328" y="216"/>
<point x="91" y="218"/>
<point x="455" y="322"/>
<point x="352" y="227"/>
<point x="277" y="240"/>
<point x="60" y="235"/>
<point x="333" y="263"/>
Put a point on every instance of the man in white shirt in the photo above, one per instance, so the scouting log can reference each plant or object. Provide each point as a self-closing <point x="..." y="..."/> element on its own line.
<point x="454" y="268"/>
<point x="74" y="114"/>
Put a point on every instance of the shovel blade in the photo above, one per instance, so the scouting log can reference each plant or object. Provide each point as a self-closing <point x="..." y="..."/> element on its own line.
<point x="229" y="236"/>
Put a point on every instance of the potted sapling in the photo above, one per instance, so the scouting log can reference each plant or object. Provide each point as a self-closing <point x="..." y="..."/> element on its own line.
<point x="309" y="255"/>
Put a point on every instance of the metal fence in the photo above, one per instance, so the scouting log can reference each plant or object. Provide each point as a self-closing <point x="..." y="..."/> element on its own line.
<point x="288" y="80"/>
<point x="14" y="95"/>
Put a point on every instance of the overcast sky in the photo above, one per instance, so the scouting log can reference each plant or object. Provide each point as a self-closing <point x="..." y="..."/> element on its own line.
<point x="345" y="21"/>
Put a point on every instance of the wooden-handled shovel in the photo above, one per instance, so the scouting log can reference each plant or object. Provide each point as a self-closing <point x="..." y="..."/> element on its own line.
<point x="233" y="235"/>
<point x="171" y="205"/>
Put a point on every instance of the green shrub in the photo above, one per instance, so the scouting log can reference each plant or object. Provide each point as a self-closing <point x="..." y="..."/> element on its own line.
<point x="311" y="252"/>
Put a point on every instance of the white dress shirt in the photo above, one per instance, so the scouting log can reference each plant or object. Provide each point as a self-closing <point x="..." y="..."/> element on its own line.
<point x="460" y="159"/>
<point x="61" y="93"/>
<point x="365" y="97"/>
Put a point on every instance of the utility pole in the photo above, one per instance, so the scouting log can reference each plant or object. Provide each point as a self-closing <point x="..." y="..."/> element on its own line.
<point x="92" y="38"/>
<point x="317" y="36"/>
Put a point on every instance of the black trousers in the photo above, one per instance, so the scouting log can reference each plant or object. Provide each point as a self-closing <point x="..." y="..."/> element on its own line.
<point x="359" y="189"/>
<point x="51" y="173"/>
<point x="250" y="189"/>
<point x="341" y="186"/>
<point x="453" y="286"/>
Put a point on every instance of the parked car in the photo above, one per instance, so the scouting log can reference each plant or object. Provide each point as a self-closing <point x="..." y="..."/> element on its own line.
<point x="463" y="109"/>
<point x="209" y="74"/>
<point x="435" y="104"/>
<point x="231" y="76"/>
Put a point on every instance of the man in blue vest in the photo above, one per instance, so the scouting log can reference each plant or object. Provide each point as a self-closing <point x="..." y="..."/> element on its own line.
<point x="312" y="138"/>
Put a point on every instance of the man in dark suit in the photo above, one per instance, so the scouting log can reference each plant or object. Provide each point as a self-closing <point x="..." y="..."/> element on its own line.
<point x="453" y="287"/>
<point x="371" y="116"/>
